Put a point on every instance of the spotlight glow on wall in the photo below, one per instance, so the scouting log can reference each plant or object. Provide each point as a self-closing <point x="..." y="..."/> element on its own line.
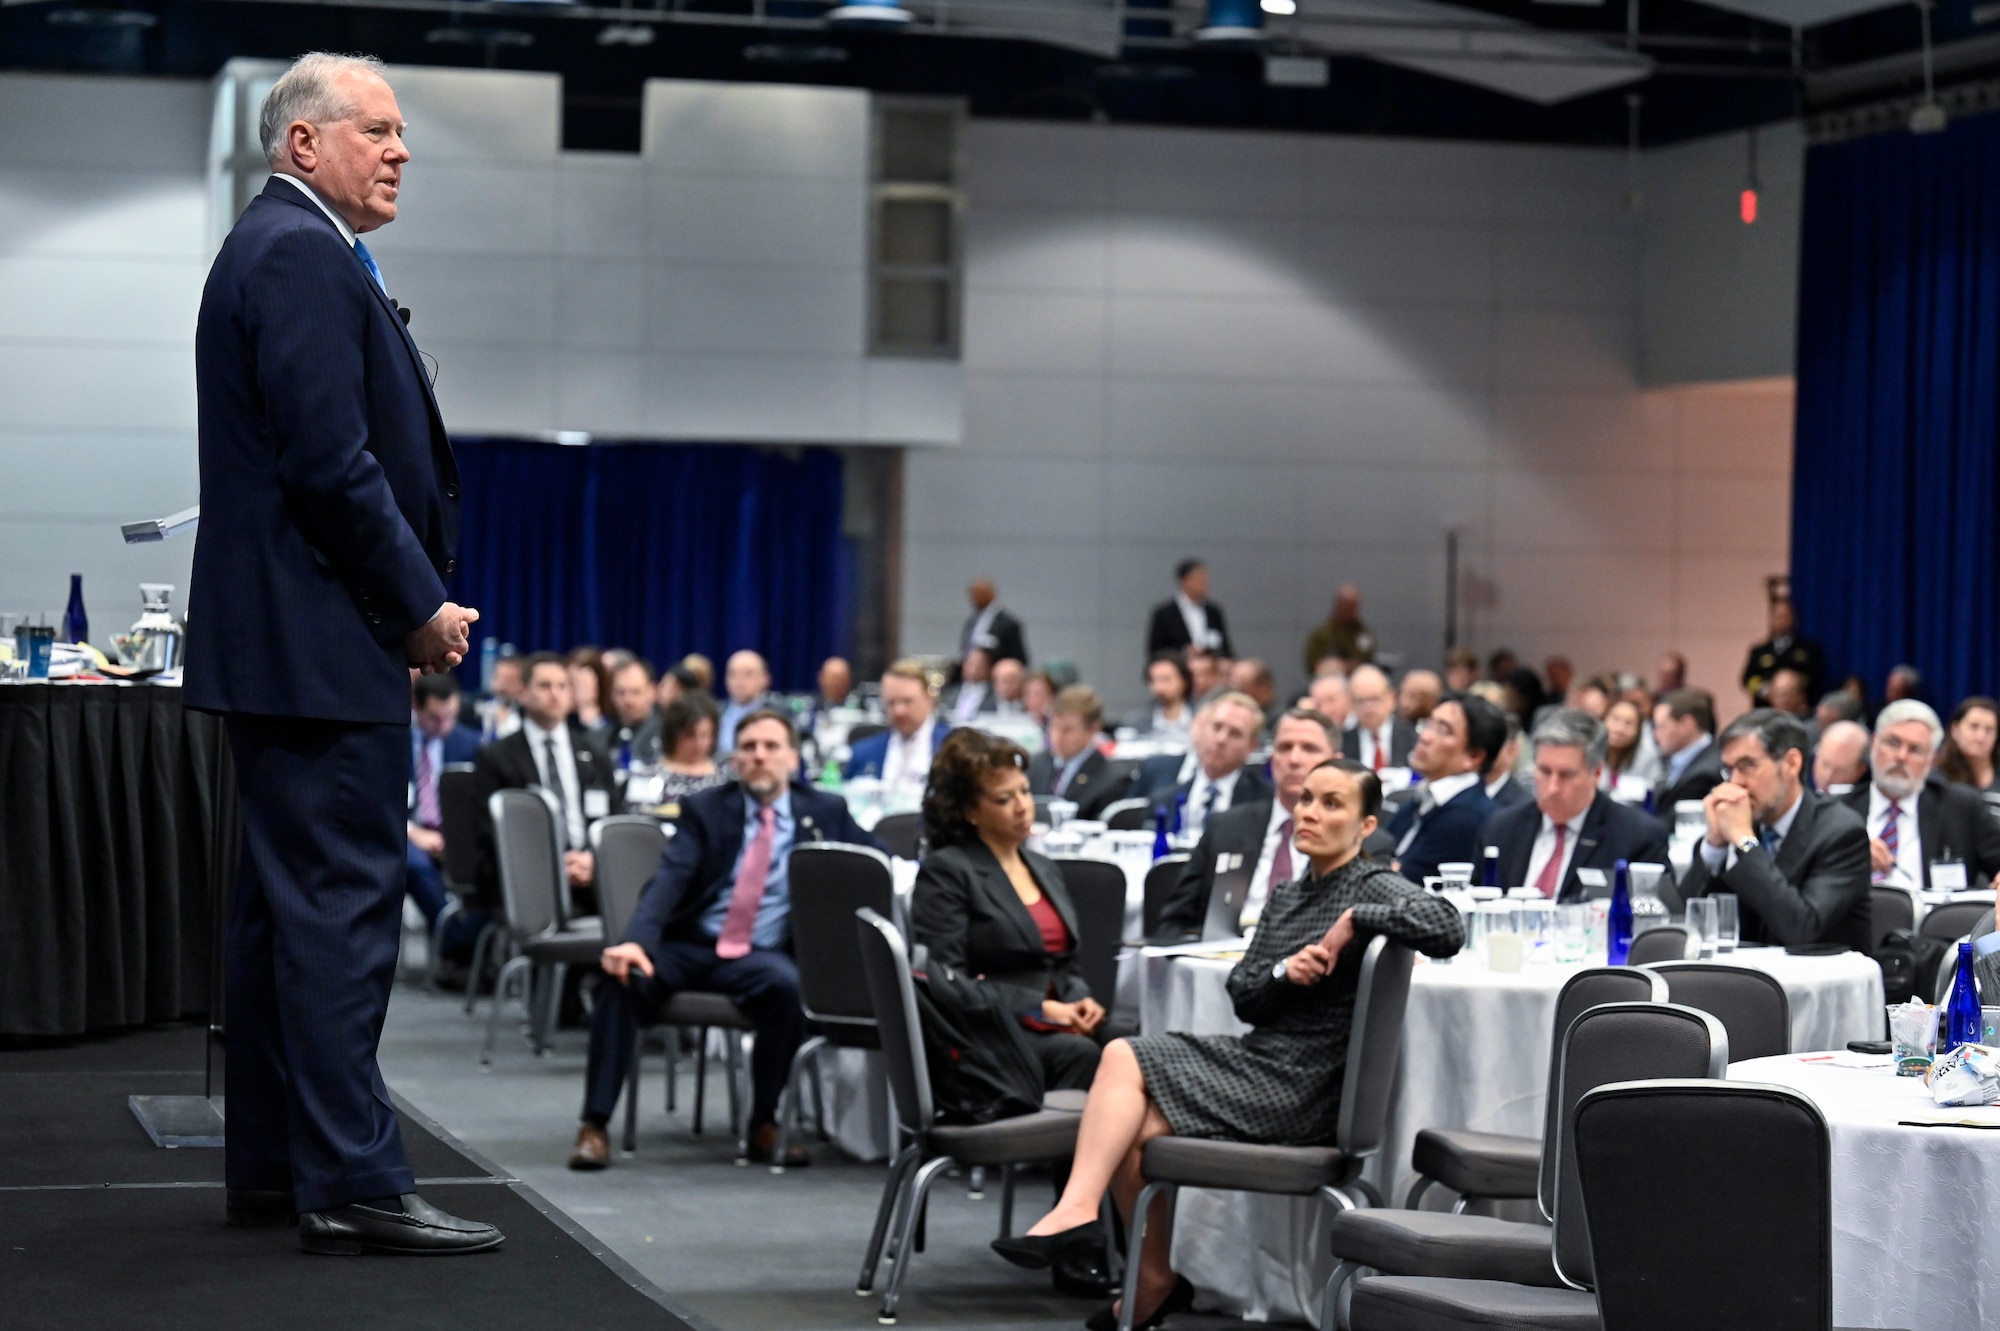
<point x="1234" y="21"/>
<point x="869" y="14"/>
<point x="1282" y="8"/>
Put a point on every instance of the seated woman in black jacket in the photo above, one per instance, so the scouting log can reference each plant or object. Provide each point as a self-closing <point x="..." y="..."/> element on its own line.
<point x="990" y="909"/>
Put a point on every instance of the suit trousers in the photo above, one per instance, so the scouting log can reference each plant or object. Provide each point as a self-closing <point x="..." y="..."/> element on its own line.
<point x="765" y="984"/>
<point x="310" y="956"/>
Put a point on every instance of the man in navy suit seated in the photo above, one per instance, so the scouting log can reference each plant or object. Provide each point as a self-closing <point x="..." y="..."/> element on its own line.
<point x="1211" y="777"/>
<point x="900" y="757"/>
<point x="435" y="742"/>
<point x="717" y="917"/>
<point x="1571" y="825"/>
<point x="1454" y="754"/>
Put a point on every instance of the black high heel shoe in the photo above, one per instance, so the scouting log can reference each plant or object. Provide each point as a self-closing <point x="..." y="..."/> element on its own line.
<point x="1179" y="1299"/>
<point x="1037" y="1251"/>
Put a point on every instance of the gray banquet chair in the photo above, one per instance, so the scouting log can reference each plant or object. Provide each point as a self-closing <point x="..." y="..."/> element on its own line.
<point x="830" y="882"/>
<point x="1097" y="891"/>
<point x="458" y="819"/>
<point x="902" y="833"/>
<point x="1128" y="815"/>
<point x="1751" y="1005"/>
<point x="1612" y="1043"/>
<point x="925" y="1147"/>
<point x="1958" y="919"/>
<point x="534" y="896"/>
<point x="1160" y="882"/>
<point x="1331" y="1173"/>
<point x="1710" y="1205"/>
<point x="1889" y="909"/>
<point x="1666" y="942"/>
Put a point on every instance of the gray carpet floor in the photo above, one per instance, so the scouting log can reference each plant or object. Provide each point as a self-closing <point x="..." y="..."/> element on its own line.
<point x="739" y="1248"/>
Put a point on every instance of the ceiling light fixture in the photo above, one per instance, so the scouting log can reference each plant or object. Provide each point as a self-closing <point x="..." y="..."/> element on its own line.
<point x="1281" y="8"/>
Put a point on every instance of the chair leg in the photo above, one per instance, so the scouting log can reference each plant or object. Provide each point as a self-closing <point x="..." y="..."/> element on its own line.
<point x="1458" y="1207"/>
<point x="1330" y="1318"/>
<point x="452" y="906"/>
<point x="975" y="1187"/>
<point x="673" y="1043"/>
<point x="518" y="966"/>
<point x="1414" y="1202"/>
<point x="1007" y="1200"/>
<point x="632" y="1091"/>
<point x="739" y="1103"/>
<point x="700" y="1075"/>
<point x="1368" y="1191"/>
<point x="788" y="1103"/>
<point x="551" y="1007"/>
<point x="481" y="946"/>
<point x="913" y="1212"/>
<point x="1135" y="1248"/>
<point x="1114" y="1247"/>
<point x="816" y="1078"/>
<point x="892" y="1193"/>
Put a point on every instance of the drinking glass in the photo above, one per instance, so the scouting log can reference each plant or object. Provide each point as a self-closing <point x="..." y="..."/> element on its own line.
<point x="1701" y="925"/>
<point x="1537" y="923"/>
<point x="1456" y="875"/>
<point x="1728" y="926"/>
<point x="1572" y="933"/>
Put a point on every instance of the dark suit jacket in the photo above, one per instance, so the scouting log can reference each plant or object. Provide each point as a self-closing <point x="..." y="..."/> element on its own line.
<point x="1158" y="782"/>
<point x="1513" y="794"/>
<point x="1450" y="835"/>
<point x="869" y="756"/>
<point x="1816" y="891"/>
<point x="700" y="863"/>
<point x="329" y="495"/>
<point x="1005" y="639"/>
<point x="1402" y="738"/>
<point x="1168" y="631"/>
<point x="1611" y="832"/>
<point x="1237" y="830"/>
<point x="1954" y="823"/>
<point x="967" y="913"/>
<point x="508" y="764"/>
<point x="1704" y="774"/>
<point x="1095" y="784"/>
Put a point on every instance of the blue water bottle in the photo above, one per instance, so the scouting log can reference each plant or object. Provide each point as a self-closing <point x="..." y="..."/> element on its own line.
<point x="1963" y="1022"/>
<point x="1489" y="868"/>
<point x="1162" y="847"/>
<point x="76" y="624"/>
<point x="489" y="657"/>
<point x="1619" y="926"/>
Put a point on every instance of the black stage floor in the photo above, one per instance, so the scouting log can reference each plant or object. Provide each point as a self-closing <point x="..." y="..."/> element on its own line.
<point x="99" y="1227"/>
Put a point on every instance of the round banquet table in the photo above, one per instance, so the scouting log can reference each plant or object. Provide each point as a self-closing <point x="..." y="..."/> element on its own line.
<point x="1916" y="1210"/>
<point x="1475" y="1055"/>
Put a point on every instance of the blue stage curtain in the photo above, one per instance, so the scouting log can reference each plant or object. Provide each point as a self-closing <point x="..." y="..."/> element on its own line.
<point x="663" y="548"/>
<point x="1894" y="489"/>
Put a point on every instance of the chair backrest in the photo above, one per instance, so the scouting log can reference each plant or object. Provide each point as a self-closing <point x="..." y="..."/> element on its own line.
<point x="1128" y="815"/>
<point x="1097" y="890"/>
<point x="531" y="871"/>
<point x="886" y="963"/>
<point x="1621" y="1042"/>
<point x="627" y="847"/>
<point x="1709" y="1203"/>
<point x="866" y="730"/>
<point x="1581" y="992"/>
<point x="1957" y="919"/>
<point x="1160" y="881"/>
<point x="902" y="833"/>
<point x="1375" y="1038"/>
<point x="1042" y="803"/>
<point x="1666" y="942"/>
<point x="1889" y="909"/>
<point x="1751" y="1005"/>
<point x="458" y="820"/>
<point x="830" y="883"/>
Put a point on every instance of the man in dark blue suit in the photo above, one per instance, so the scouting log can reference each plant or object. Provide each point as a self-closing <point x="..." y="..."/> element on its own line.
<point x="900" y="756"/>
<point x="717" y="917"/>
<point x="1454" y="753"/>
<point x="1570" y="825"/>
<point x="329" y="520"/>
<point x="1212" y="777"/>
<point x="436" y="742"/>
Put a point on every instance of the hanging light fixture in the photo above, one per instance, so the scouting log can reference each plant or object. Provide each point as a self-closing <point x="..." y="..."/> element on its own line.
<point x="1239" y="21"/>
<point x="1928" y="116"/>
<point x="877" y="14"/>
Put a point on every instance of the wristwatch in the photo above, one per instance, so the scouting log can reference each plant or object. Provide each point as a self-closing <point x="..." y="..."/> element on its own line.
<point x="1278" y="971"/>
<point x="1747" y="844"/>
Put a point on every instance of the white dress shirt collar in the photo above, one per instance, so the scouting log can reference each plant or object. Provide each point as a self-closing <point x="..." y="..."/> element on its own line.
<point x="1195" y="617"/>
<point x="1445" y="788"/>
<point x="346" y="231"/>
<point x="908" y="761"/>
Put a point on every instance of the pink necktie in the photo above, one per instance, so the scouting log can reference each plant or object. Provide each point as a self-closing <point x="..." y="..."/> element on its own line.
<point x="1381" y="754"/>
<point x="1281" y="858"/>
<point x="748" y="893"/>
<point x="1891" y="837"/>
<point x="427" y="795"/>
<point x="1546" y="882"/>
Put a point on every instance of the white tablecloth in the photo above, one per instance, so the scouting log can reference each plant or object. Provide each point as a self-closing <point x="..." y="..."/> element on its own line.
<point x="1916" y="1211"/>
<point x="1475" y="1055"/>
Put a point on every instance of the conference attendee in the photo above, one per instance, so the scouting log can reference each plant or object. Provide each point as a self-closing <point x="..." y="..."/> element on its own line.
<point x="1571" y="824"/>
<point x="1627" y="750"/>
<point x="1785" y="649"/>
<point x="1010" y="681"/>
<point x="716" y="917"/>
<point x="1787" y="693"/>
<point x="436" y="740"/>
<point x="1254" y="834"/>
<point x="1504" y="785"/>
<point x="1903" y="683"/>
<point x="633" y="736"/>
<point x="1188" y="618"/>
<point x="972" y="696"/>
<point x="1528" y="699"/>
<point x="1839" y="705"/>
<point x="500" y="715"/>
<point x="1502" y="662"/>
<point x="1559" y="677"/>
<point x="746" y="684"/>
<point x="1461" y="669"/>
<point x="1038" y="699"/>
<point x="1211" y="776"/>
<point x="1454" y="755"/>
<point x="1328" y="695"/>
<point x="1670" y="674"/>
<point x="1073" y="768"/>
<point x="329" y="525"/>
<point x="1207" y="673"/>
<point x="1593" y="695"/>
<point x="699" y="672"/>
<point x="993" y="628"/>
<point x="1280" y="1083"/>
<point x="1417" y="695"/>
<point x="1967" y="757"/>
<point x="1343" y="634"/>
<point x="552" y="751"/>
<point x="1840" y="760"/>
<point x="900" y="756"/>
<point x="836" y="684"/>
<point x="688" y="763"/>
<point x="1252" y="678"/>
<point x="1169" y="710"/>
<point x="1379" y="737"/>
<point x="1683" y="731"/>
<point x="1797" y="861"/>
<point x="589" y="688"/>
<point x="1916" y="819"/>
<point x="673" y="682"/>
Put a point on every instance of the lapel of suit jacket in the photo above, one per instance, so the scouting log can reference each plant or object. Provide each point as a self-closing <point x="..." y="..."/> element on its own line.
<point x="1514" y="859"/>
<point x="1793" y="848"/>
<point x="1930" y="827"/>
<point x="994" y="881"/>
<point x="1588" y="838"/>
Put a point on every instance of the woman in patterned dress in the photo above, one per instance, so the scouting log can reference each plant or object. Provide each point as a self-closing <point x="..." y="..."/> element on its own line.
<point x="1278" y="1085"/>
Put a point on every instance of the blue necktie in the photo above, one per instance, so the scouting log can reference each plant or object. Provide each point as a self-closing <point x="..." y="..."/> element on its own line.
<point x="368" y="262"/>
<point x="1769" y="836"/>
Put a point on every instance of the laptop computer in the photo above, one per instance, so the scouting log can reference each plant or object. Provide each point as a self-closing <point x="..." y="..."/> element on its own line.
<point x="1225" y="904"/>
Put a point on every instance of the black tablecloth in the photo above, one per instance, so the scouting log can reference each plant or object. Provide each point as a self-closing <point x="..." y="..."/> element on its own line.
<point x="118" y="828"/>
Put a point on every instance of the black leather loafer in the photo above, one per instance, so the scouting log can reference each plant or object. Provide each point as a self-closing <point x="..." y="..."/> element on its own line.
<point x="413" y="1227"/>
<point x="258" y="1208"/>
<point x="1037" y="1252"/>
